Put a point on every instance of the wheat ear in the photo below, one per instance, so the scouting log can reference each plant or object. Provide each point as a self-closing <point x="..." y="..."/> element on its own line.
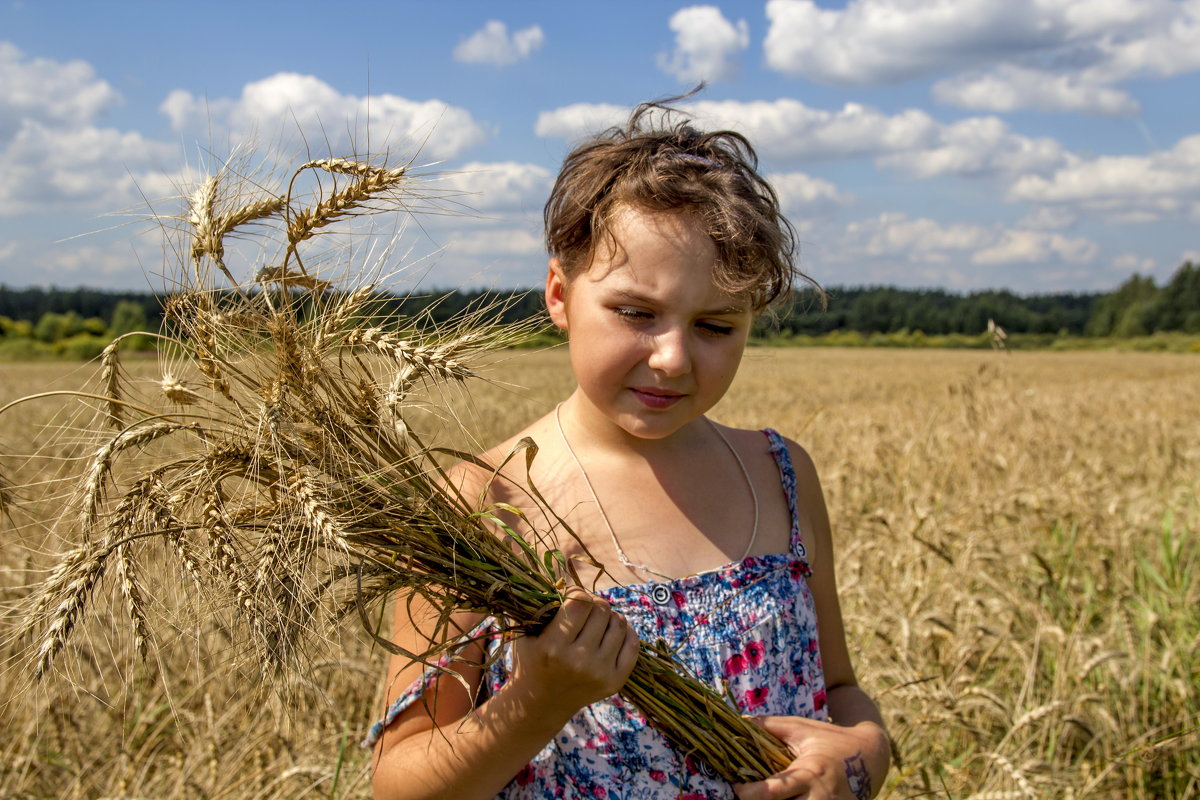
<point x="436" y="361"/>
<point x="110" y="379"/>
<point x="101" y="463"/>
<point x="344" y="202"/>
<point x="81" y="569"/>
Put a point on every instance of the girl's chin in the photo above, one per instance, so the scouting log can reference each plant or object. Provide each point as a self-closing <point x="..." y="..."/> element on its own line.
<point x="652" y="425"/>
<point x="643" y="420"/>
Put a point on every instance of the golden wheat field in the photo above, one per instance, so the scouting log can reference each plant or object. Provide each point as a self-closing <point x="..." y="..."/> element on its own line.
<point x="1017" y="558"/>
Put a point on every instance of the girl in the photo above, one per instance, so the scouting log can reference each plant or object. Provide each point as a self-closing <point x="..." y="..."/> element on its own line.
<point x="665" y="243"/>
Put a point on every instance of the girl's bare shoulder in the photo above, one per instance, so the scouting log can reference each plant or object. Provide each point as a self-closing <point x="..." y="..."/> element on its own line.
<point x="491" y="474"/>
<point x="756" y="441"/>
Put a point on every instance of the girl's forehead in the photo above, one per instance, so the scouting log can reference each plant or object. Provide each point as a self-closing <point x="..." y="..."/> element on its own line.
<point x="638" y="280"/>
<point x="651" y="253"/>
<point x="631" y="220"/>
<point x="635" y="237"/>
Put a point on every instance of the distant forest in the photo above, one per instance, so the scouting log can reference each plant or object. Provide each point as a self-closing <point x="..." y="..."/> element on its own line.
<point x="79" y="322"/>
<point x="1137" y="308"/>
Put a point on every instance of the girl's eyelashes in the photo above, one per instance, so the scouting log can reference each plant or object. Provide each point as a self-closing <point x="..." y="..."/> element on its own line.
<point x="631" y="313"/>
<point x="707" y="327"/>
<point x="715" y="328"/>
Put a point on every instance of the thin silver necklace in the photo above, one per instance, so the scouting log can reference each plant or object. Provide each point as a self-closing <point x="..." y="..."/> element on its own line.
<point x="624" y="559"/>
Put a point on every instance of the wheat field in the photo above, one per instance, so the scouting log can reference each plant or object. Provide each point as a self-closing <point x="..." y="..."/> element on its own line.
<point x="1016" y="552"/>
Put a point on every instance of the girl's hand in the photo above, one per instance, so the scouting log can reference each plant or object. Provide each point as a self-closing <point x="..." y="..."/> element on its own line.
<point x="584" y="654"/>
<point x="829" y="763"/>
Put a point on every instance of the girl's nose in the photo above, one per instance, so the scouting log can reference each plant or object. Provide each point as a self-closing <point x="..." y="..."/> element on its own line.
<point x="670" y="354"/>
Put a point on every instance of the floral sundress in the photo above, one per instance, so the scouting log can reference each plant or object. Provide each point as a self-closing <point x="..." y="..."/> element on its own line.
<point x="748" y="629"/>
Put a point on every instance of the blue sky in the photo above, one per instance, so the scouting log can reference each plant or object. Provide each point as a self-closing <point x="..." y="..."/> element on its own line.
<point x="1033" y="145"/>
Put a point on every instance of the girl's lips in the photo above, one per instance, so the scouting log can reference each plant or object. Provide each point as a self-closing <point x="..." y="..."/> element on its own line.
<point x="656" y="398"/>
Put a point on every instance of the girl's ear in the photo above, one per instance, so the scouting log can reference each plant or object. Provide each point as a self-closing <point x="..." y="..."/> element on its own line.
<point x="556" y="294"/>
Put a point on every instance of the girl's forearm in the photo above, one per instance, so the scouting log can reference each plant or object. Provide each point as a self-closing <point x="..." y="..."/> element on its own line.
<point x="472" y="758"/>
<point x="851" y="708"/>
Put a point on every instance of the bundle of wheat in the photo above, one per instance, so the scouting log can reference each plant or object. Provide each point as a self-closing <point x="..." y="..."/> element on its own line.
<point x="277" y="469"/>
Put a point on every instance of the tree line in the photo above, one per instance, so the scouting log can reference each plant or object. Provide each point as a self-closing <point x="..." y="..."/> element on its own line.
<point x="1136" y="308"/>
<point x="79" y="322"/>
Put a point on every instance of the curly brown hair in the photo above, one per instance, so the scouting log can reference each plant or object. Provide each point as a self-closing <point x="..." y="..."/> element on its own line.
<point x="659" y="162"/>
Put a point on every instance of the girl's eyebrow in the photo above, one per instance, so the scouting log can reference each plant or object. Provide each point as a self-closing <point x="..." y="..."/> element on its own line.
<point x="720" y="312"/>
<point x="634" y="297"/>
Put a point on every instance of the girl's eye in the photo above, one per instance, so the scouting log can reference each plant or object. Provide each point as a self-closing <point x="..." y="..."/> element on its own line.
<point x="715" y="328"/>
<point x="631" y="314"/>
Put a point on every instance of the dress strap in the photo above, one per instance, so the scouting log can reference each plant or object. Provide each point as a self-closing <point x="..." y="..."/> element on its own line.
<point x="787" y="477"/>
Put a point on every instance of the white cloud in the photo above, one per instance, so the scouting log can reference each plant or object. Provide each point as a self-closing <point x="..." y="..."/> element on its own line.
<point x="706" y="45"/>
<point x="1009" y="88"/>
<point x="910" y="141"/>
<point x="787" y="130"/>
<point x="941" y="248"/>
<point x="493" y="45"/>
<point x="290" y="103"/>
<point x="474" y="255"/>
<point x="1168" y="45"/>
<point x="1132" y="262"/>
<point x="84" y="262"/>
<point x="889" y="41"/>
<point x="81" y="168"/>
<point x="978" y="146"/>
<point x="189" y="113"/>
<point x="781" y="130"/>
<point x="102" y="260"/>
<point x="1051" y="55"/>
<point x="505" y="185"/>
<point x="883" y="41"/>
<point x="1035" y="247"/>
<point x="578" y="120"/>
<point x="802" y="194"/>
<point x="894" y="235"/>
<point x="52" y="155"/>
<point x="496" y="242"/>
<point x="1126" y="188"/>
<point x="1049" y="218"/>
<point x="47" y="91"/>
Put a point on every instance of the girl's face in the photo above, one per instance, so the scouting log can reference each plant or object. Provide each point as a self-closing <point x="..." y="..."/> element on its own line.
<point x="654" y="343"/>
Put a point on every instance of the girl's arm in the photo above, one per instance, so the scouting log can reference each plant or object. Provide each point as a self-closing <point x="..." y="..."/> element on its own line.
<point x="442" y="746"/>
<point x="850" y="758"/>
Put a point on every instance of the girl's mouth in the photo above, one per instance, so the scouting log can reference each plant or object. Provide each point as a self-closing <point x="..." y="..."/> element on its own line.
<point x="656" y="398"/>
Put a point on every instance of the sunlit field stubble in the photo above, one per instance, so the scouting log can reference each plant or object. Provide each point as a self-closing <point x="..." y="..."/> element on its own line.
<point x="1017" y="563"/>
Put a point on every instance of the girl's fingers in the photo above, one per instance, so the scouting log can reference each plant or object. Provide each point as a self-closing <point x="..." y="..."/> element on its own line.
<point x="630" y="649"/>
<point x="583" y="618"/>
<point x="776" y="787"/>
<point x="595" y="627"/>
<point x="576" y="610"/>
<point x="613" y="636"/>
<point x="775" y="725"/>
